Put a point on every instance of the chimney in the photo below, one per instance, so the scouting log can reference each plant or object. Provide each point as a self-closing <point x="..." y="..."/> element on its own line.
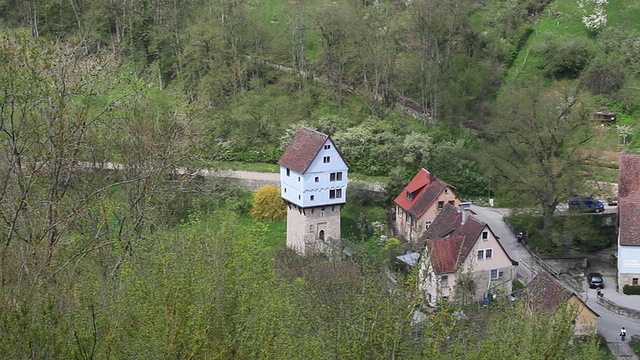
<point x="465" y="207"/>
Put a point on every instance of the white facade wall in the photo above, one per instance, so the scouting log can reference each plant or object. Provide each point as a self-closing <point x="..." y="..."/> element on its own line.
<point x="628" y="265"/>
<point x="315" y="186"/>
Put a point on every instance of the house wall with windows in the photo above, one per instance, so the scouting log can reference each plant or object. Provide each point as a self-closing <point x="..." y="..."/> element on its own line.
<point x="323" y="183"/>
<point x="485" y="261"/>
<point x="490" y="265"/>
<point x="433" y="287"/>
<point x="411" y="228"/>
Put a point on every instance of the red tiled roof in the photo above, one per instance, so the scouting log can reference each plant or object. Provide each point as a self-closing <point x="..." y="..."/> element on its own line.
<point x="629" y="183"/>
<point x="629" y="219"/>
<point x="444" y="254"/>
<point x="629" y="199"/>
<point x="425" y="189"/>
<point x="546" y="293"/>
<point x="304" y="147"/>
<point x="448" y="226"/>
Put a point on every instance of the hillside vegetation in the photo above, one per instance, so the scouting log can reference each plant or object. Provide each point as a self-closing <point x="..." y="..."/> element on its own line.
<point x="494" y="97"/>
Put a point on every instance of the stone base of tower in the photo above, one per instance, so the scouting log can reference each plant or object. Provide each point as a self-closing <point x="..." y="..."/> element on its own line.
<point x="313" y="229"/>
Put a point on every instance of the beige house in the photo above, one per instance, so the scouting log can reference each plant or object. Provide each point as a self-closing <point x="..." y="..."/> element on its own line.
<point x="420" y="202"/>
<point x="463" y="259"/>
<point x="546" y="293"/>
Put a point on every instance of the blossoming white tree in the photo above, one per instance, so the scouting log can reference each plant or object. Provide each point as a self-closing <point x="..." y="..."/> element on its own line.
<point x="598" y="19"/>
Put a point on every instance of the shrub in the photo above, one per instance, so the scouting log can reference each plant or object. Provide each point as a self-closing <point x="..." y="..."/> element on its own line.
<point x="517" y="285"/>
<point x="267" y="204"/>
<point x="604" y="77"/>
<point x="631" y="289"/>
<point x="564" y="58"/>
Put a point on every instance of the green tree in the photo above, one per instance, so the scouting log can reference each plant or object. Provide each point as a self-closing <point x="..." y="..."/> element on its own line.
<point x="537" y="144"/>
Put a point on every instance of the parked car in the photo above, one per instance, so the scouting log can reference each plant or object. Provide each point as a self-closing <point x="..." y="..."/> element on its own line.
<point x="585" y="204"/>
<point x="612" y="201"/>
<point x="595" y="280"/>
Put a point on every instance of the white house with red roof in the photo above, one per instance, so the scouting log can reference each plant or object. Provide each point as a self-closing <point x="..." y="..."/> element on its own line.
<point x="313" y="184"/>
<point x="420" y="202"/>
<point x="462" y="259"/>
<point x="629" y="221"/>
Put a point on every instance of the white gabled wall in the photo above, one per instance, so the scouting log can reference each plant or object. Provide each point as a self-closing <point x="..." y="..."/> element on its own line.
<point x="315" y="186"/>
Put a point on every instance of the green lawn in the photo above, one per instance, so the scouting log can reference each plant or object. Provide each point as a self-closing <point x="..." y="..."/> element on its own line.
<point x="563" y="18"/>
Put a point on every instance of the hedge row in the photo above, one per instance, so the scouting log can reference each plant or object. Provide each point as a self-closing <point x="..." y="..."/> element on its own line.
<point x="631" y="289"/>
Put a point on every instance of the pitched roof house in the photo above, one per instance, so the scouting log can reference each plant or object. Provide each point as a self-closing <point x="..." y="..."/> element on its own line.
<point x="420" y="202"/>
<point x="629" y="220"/>
<point x="462" y="258"/>
<point x="546" y="293"/>
<point x="313" y="184"/>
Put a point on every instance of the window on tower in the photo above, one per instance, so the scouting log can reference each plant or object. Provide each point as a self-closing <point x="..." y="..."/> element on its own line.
<point x="327" y="147"/>
<point x="288" y="172"/>
<point x="326" y="159"/>
<point x="317" y="179"/>
<point x="311" y="197"/>
<point x="335" y="194"/>
<point x="336" y="176"/>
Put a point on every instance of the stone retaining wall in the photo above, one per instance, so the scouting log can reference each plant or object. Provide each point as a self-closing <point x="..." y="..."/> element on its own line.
<point x="620" y="310"/>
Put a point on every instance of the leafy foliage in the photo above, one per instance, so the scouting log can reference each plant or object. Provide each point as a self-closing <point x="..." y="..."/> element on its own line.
<point x="538" y="157"/>
<point x="268" y="205"/>
<point x="564" y="59"/>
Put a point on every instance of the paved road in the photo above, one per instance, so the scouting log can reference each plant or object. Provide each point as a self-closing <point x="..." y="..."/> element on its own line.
<point x="609" y="323"/>
<point x="494" y="217"/>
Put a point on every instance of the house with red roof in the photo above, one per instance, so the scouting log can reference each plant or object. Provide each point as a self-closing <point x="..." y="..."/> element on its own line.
<point x="462" y="259"/>
<point x="629" y="221"/>
<point x="545" y="293"/>
<point x="420" y="202"/>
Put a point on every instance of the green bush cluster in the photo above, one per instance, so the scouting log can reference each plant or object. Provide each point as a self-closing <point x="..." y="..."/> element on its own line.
<point x="564" y="59"/>
<point x="631" y="289"/>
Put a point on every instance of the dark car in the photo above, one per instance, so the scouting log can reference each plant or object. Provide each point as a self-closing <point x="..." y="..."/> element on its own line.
<point x="595" y="281"/>
<point x="585" y="204"/>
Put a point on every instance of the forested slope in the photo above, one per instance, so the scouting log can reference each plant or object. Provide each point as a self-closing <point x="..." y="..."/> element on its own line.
<point x="142" y="263"/>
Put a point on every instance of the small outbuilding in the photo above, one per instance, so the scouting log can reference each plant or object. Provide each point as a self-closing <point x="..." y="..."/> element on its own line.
<point x="604" y="116"/>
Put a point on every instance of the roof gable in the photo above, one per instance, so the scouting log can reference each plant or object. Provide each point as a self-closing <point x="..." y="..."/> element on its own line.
<point x="422" y="191"/>
<point x="303" y="149"/>
<point x="545" y="292"/>
<point x="448" y="226"/>
<point x="444" y="254"/>
<point x="629" y="220"/>
<point x="629" y="199"/>
<point x="449" y="241"/>
<point x="629" y="182"/>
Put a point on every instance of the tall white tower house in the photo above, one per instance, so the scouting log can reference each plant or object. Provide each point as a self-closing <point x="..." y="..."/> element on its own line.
<point x="313" y="183"/>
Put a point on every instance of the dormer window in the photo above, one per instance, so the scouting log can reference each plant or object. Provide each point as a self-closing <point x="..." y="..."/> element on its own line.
<point x="409" y="196"/>
<point x="327" y="147"/>
<point x="288" y="172"/>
